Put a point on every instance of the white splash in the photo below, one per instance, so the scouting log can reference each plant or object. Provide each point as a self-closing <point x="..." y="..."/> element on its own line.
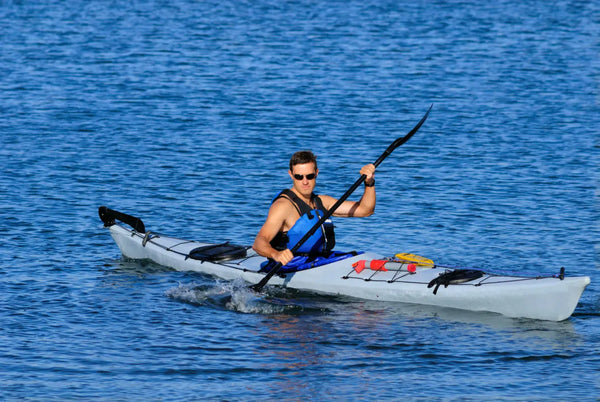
<point x="234" y="296"/>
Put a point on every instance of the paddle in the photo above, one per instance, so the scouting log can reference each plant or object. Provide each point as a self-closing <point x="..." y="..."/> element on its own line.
<point x="258" y="287"/>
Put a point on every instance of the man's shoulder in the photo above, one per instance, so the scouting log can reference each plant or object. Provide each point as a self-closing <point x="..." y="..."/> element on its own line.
<point x="327" y="200"/>
<point x="282" y="202"/>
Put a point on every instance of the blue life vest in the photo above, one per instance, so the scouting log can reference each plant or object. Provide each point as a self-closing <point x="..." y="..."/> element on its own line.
<point x="319" y="243"/>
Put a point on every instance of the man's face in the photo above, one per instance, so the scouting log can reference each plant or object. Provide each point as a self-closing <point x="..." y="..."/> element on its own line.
<point x="304" y="177"/>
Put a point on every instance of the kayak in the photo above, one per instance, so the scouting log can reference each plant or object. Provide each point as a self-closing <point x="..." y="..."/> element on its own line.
<point x="364" y="275"/>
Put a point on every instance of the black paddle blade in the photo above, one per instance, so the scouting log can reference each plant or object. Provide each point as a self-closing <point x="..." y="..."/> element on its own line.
<point x="258" y="287"/>
<point x="402" y="140"/>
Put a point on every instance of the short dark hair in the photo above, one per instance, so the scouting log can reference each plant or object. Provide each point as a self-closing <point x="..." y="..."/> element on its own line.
<point x="302" y="157"/>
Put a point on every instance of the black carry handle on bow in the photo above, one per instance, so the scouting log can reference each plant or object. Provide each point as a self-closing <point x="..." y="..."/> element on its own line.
<point x="108" y="216"/>
<point x="258" y="287"/>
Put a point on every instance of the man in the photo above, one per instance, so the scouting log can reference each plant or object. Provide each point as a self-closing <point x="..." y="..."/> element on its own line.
<point x="296" y="210"/>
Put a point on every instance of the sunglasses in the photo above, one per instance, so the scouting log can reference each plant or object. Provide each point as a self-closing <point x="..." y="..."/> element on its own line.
<point x="309" y="176"/>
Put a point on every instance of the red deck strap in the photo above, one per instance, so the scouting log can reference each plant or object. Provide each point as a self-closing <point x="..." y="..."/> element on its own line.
<point x="377" y="265"/>
<point x="374" y="265"/>
<point x="359" y="266"/>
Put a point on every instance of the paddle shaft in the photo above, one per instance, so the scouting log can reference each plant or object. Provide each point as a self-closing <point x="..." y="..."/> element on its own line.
<point x="258" y="287"/>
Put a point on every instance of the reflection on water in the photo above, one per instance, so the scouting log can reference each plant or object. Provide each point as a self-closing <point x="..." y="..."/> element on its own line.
<point x="381" y="341"/>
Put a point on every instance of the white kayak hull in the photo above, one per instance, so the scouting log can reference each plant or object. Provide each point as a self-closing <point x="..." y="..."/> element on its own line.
<point x="544" y="298"/>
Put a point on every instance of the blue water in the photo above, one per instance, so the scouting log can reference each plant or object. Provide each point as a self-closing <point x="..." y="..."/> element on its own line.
<point x="185" y="113"/>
